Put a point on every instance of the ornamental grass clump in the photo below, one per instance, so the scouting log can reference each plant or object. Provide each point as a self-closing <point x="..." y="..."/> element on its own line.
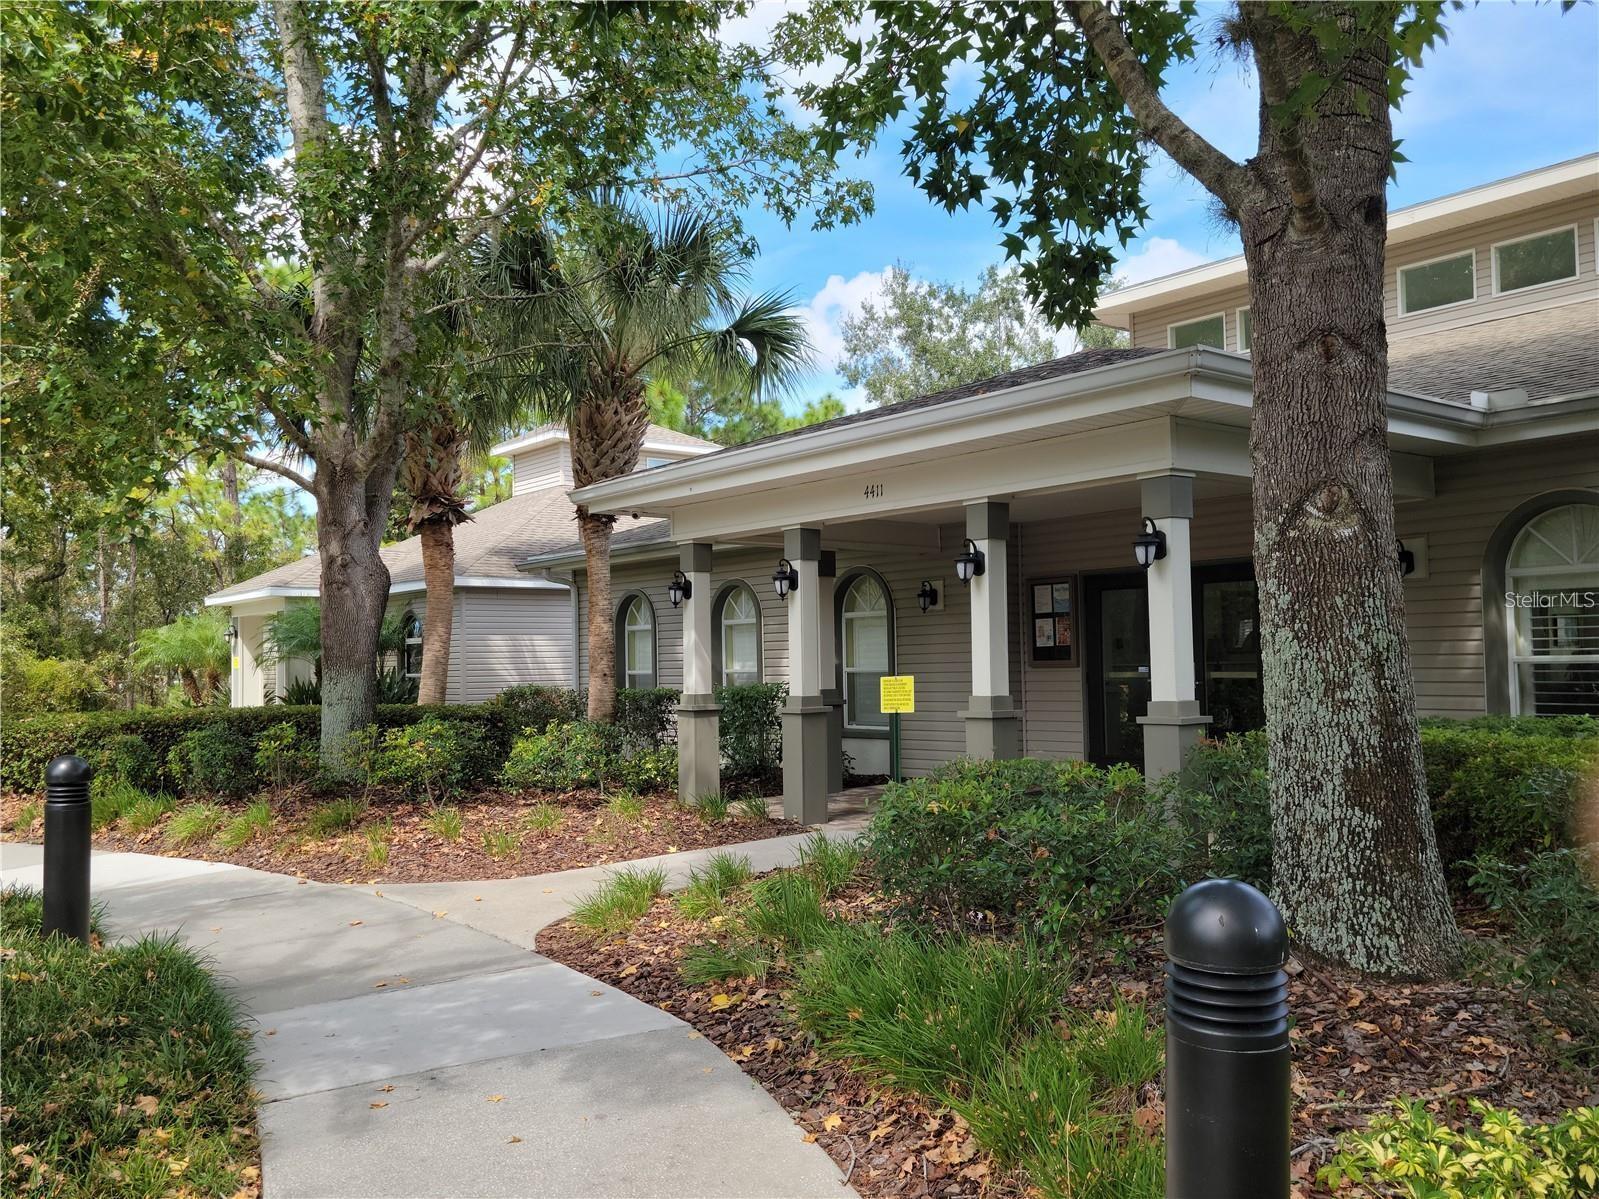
<point x="712" y="886"/>
<point x="620" y="900"/>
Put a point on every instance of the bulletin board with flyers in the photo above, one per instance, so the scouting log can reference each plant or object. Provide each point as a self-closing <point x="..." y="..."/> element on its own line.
<point x="1052" y="626"/>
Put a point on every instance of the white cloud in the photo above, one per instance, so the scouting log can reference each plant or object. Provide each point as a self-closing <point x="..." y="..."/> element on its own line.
<point x="824" y="315"/>
<point x="1158" y="256"/>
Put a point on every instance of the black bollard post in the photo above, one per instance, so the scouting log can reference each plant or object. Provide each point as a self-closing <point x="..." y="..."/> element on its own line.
<point x="1227" y="1054"/>
<point x="66" y="847"/>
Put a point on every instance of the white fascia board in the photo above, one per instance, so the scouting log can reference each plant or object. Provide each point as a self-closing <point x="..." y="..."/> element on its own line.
<point x="222" y="600"/>
<point x="1573" y="177"/>
<point x="489" y="582"/>
<point x="528" y="441"/>
<point x="935" y="430"/>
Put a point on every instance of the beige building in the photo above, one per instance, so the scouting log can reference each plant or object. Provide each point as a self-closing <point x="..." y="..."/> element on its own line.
<point x="1062" y="644"/>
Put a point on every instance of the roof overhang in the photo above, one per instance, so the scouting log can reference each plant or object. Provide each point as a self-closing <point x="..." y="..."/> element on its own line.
<point x="550" y="435"/>
<point x="408" y="587"/>
<point x="1564" y="180"/>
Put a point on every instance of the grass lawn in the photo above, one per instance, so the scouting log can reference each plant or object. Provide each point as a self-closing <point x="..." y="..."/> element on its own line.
<point x="126" y="1070"/>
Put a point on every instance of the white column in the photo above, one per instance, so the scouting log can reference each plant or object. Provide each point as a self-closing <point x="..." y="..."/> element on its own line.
<point x="698" y="677"/>
<point x="805" y="772"/>
<point x="699" y="758"/>
<point x="805" y="631"/>
<point x="832" y="697"/>
<point x="1171" y="616"/>
<point x="991" y="727"/>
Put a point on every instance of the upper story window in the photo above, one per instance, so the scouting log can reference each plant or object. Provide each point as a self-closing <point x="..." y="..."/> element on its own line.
<point x="1536" y="260"/>
<point x="1210" y="331"/>
<point x="738" y="622"/>
<point x="1246" y="330"/>
<point x="1438" y="283"/>
<point x="1552" y="580"/>
<point x="411" y="655"/>
<point x="653" y="462"/>
<point x="635" y="633"/>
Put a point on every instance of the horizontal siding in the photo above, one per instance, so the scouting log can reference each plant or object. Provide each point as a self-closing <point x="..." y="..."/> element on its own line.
<point x="511" y="638"/>
<point x="544" y="466"/>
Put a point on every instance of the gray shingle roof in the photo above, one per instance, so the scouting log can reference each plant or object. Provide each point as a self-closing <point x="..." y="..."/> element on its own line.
<point x="1550" y="353"/>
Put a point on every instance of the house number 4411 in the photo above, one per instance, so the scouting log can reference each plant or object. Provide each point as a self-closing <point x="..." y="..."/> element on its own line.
<point x="874" y="491"/>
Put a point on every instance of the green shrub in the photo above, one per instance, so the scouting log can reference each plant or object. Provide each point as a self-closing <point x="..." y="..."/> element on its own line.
<point x="1221" y="800"/>
<point x="335" y="816"/>
<point x="1412" y="1154"/>
<point x="1553" y="907"/>
<point x="93" y="1038"/>
<point x="255" y="821"/>
<point x="194" y="822"/>
<point x="34" y="684"/>
<point x="111" y="798"/>
<point x="750" y="729"/>
<point x="434" y="759"/>
<point x="620" y="900"/>
<point x="929" y="1013"/>
<point x="651" y="770"/>
<point x="214" y="760"/>
<point x="712" y="886"/>
<point x="282" y="756"/>
<point x="586" y="756"/>
<point x="127" y="756"/>
<point x="535" y="707"/>
<point x="646" y="717"/>
<point x="1059" y="848"/>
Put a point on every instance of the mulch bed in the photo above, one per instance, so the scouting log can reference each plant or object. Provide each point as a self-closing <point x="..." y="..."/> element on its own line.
<point x="588" y="835"/>
<point x="1358" y="1044"/>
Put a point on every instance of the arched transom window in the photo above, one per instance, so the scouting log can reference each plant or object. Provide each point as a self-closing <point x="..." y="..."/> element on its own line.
<point x="635" y="627"/>
<point x="740" y="630"/>
<point x="1552" y="580"/>
<point x="865" y="629"/>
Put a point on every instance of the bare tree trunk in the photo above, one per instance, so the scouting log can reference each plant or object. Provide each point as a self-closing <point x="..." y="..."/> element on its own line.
<point x="438" y="578"/>
<point x="1355" y="863"/>
<point x="351" y="515"/>
<point x="596" y="534"/>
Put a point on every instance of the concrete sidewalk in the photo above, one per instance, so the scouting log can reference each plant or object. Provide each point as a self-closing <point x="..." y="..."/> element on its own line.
<point x="412" y="1045"/>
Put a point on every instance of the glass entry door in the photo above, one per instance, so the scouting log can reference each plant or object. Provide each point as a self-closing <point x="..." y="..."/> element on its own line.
<point x="1227" y="645"/>
<point x="1117" y="663"/>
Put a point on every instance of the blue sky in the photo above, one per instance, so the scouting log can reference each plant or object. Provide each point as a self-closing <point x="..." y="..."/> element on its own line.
<point x="1515" y="87"/>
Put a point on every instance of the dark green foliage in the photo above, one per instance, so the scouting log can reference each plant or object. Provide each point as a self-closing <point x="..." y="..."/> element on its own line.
<point x="1221" y="800"/>
<point x="213" y="760"/>
<point x="111" y="798"/>
<point x="925" y="1012"/>
<point x="750" y="729"/>
<point x="646" y="717"/>
<point x="303" y="693"/>
<point x="536" y="707"/>
<point x="1054" y="847"/>
<point x="786" y="907"/>
<point x="393" y="687"/>
<point x="583" y="755"/>
<point x="283" y="757"/>
<point x="1552" y="904"/>
<point x="433" y="759"/>
<point x="93" y="1033"/>
<point x="30" y="742"/>
<point x="128" y="756"/>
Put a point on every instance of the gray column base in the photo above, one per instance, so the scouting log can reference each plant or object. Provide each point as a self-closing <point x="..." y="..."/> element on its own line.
<point x="1171" y="728"/>
<point x="805" y="770"/>
<point x="835" y="740"/>
<point x="699" y="753"/>
<point x="992" y="728"/>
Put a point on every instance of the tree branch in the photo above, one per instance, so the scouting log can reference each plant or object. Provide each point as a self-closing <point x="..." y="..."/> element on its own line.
<point x="1220" y="175"/>
<point x="1269" y="40"/>
<point x="279" y="468"/>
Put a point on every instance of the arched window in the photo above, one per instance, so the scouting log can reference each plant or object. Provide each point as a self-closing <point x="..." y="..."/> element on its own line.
<point x="411" y="651"/>
<point x="635" y="639"/>
<point x="1552" y="589"/>
<point x="866" y="634"/>
<point x="738" y="633"/>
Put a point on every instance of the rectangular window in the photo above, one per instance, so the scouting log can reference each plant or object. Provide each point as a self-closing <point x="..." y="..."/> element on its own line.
<point x="1536" y="260"/>
<point x="1246" y="330"/>
<point x="1451" y="280"/>
<point x="1211" y="331"/>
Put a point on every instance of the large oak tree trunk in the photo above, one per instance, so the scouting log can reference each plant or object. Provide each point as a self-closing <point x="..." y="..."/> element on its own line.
<point x="352" y="512"/>
<point x="438" y="578"/>
<point x="1355" y="862"/>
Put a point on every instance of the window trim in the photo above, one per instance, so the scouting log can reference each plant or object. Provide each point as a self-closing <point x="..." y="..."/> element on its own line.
<point x="718" y="614"/>
<point x="1576" y="259"/>
<point x="1238" y="328"/>
<point x="1171" y="341"/>
<point x="845" y="584"/>
<point x="406" y="622"/>
<point x="619" y="622"/>
<point x="1399" y="281"/>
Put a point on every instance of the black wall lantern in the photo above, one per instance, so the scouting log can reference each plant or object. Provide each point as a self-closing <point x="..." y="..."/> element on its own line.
<point x="969" y="562"/>
<point x="1150" y="545"/>
<point x="927" y="596"/>
<point x="785" y="578"/>
<point x="679" y="589"/>
<point x="1407" y="560"/>
<point x="232" y="632"/>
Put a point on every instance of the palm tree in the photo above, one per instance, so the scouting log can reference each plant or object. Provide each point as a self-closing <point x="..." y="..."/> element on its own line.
<point x="587" y="321"/>
<point x="195" y="648"/>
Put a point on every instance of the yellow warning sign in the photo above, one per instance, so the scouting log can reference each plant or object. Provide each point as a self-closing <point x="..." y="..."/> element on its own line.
<point x="897" y="692"/>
